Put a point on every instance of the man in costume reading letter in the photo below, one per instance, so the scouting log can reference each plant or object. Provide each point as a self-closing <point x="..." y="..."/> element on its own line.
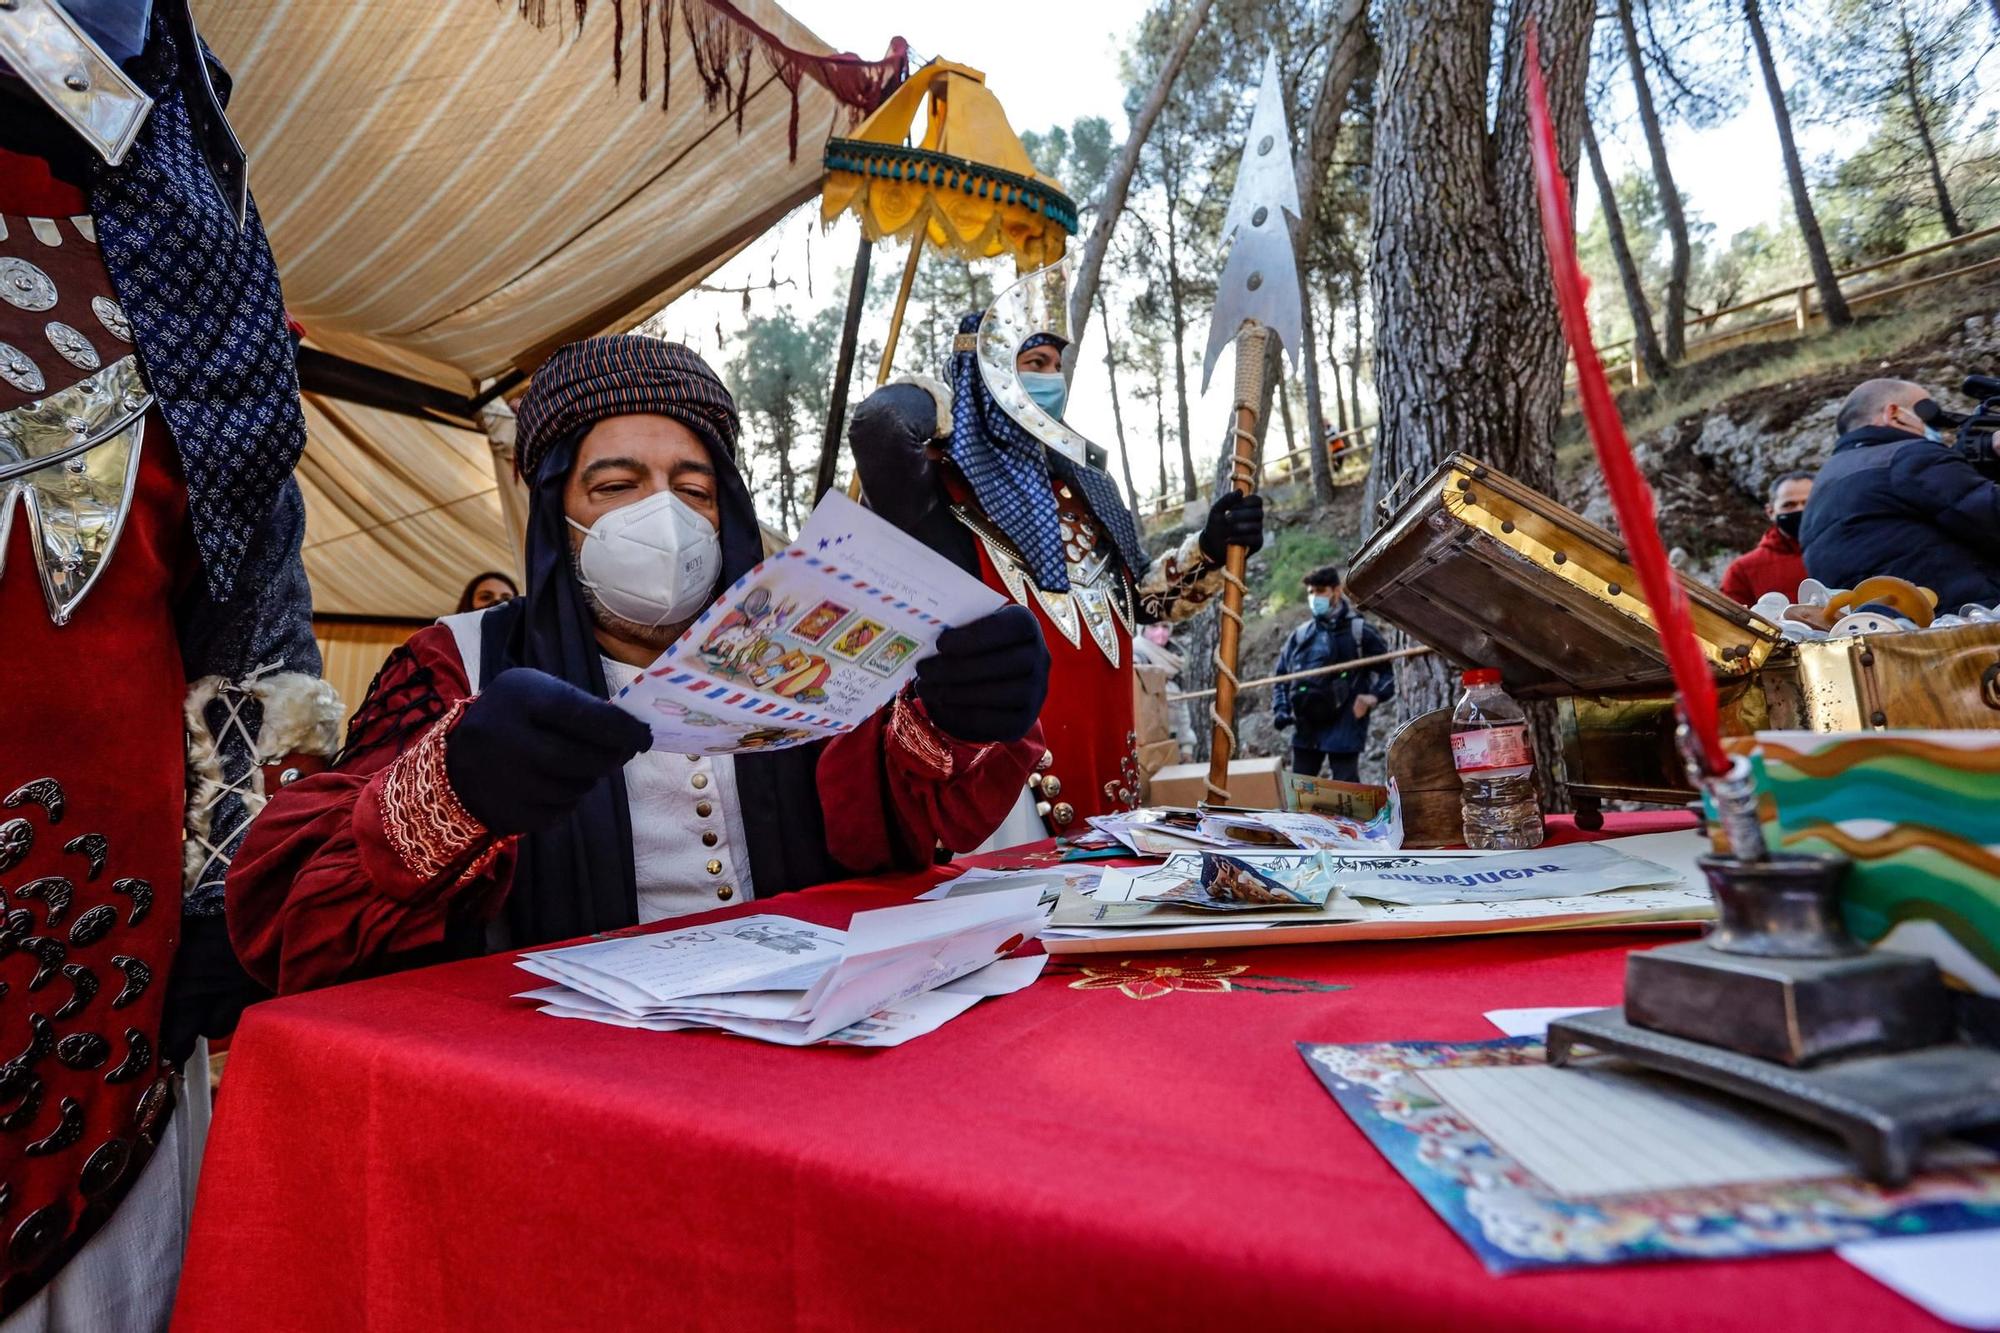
<point x="489" y="797"/>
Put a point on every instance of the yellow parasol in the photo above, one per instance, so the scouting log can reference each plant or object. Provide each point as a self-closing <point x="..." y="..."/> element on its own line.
<point x="967" y="186"/>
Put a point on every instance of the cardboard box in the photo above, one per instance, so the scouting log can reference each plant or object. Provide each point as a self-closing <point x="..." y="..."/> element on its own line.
<point x="1253" y="783"/>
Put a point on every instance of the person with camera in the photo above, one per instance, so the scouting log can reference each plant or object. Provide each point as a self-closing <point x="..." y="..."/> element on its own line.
<point x="1895" y="498"/>
<point x="1329" y="713"/>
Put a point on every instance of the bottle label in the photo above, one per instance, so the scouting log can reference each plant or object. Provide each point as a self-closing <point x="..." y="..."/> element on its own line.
<point x="1490" y="748"/>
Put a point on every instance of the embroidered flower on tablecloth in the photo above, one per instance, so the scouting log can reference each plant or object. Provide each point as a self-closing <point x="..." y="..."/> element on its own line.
<point x="1149" y="981"/>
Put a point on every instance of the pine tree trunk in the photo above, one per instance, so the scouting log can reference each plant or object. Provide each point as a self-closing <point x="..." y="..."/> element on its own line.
<point x="1643" y="342"/>
<point x="1120" y="183"/>
<point x="1354" y="362"/>
<point x="1160" y="426"/>
<point x="1118" y="416"/>
<point x="1830" y="299"/>
<point x="1469" y="355"/>
<point x="1180" y="346"/>
<point x="1949" y="214"/>
<point x="1681" y="255"/>
<point x="1335" y="82"/>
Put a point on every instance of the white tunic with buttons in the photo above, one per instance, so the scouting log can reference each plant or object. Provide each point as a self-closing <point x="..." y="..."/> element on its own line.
<point x="688" y="851"/>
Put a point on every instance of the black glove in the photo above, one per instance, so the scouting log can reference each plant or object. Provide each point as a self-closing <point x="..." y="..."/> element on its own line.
<point x="530" y="746"/>
<point x="891" y="434"/>
<point x="1281" y="723"/>
<point x="1233" y="520"/>
<point x="987" y="679"/>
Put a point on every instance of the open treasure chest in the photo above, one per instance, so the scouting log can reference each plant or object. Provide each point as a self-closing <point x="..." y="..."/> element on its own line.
<point x="1491" y="572"/>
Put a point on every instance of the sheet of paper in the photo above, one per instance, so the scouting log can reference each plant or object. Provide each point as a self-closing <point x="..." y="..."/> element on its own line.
<point x="808" y="644"/>
<point x="1531" y="1022"/>
<point x="762" y="952"/>
<point x="894" y="953"/>
<point x="1954" y="1276"/>
<point x="1546" y="872"/>
<point x="1051" y="882"/>
<point x="1588" y="1132"/>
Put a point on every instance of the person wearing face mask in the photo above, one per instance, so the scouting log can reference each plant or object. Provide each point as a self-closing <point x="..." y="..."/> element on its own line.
<point x="983" y="470"/>
<point x="489" y="797"/>
<point x="1896" y="499"/>
<point x="1777" y="563"/>
<point x="1328" y="715"/>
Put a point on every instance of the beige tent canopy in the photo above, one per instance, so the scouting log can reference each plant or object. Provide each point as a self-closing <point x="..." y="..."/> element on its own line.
<point x="452" y="191"/>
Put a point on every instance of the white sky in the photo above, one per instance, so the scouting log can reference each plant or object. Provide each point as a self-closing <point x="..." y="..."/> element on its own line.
<point x="1732" y="174"/>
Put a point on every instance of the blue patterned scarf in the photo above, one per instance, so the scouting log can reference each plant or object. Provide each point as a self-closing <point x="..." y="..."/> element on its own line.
<point x="207" y="316"/>
<point x="1010" y="474"/>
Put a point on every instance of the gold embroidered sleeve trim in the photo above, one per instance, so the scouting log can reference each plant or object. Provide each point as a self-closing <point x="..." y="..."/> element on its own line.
<point x="425" y="823"/>
<point x="911" y="731"/>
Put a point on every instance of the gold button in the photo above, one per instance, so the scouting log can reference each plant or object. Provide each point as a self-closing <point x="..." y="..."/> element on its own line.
<point x="1063" y="813"/>
<point x="1046" y="762"/>
<point x="1051" y="785"/>
<point x="709" y="839"/>
<point x="699" y="780"/>
<point x="714" y="867"/>
<point x="725" y="893"/>
<point x="704" y="808"/>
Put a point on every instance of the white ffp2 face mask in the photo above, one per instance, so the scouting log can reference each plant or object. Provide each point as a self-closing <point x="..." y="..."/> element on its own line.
<point x="653" y="563"/>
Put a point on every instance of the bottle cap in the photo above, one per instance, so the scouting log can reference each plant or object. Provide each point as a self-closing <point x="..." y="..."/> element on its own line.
<point x="1483" y="676"/>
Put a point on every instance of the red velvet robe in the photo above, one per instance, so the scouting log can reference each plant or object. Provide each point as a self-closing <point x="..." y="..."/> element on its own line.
<point x="346" y="871"/>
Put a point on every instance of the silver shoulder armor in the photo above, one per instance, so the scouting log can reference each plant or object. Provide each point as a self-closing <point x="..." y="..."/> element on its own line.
<point x="56" y="58"/>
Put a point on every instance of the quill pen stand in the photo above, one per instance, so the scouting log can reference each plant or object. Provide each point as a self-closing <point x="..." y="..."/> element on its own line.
<point x="1779" y="1005"/>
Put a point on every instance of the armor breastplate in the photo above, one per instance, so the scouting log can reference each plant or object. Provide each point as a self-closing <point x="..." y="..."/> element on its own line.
<point x="1099" y="591"/>
<point x="72" y="405"/>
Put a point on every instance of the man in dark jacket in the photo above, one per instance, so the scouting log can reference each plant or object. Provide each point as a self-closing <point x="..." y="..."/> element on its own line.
<point x="1893" y="500"/>
<point x="1331" y="711"/>
<point x="1776" y="563"/>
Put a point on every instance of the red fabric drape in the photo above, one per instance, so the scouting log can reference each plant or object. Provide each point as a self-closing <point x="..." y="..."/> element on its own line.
<point x="421" y="1152"/>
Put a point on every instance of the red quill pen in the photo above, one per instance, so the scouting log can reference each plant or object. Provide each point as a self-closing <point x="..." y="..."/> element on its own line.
<point x="1631" y="497"/>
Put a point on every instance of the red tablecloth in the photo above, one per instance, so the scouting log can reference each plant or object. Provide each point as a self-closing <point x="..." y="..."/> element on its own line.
<point x="422" y="1152"/>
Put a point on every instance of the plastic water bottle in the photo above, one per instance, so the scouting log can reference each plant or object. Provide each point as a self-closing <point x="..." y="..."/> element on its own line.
<point x="1496" y="766"/>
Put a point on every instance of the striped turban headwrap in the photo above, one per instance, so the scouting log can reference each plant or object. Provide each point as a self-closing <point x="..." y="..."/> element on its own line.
<point x="621" y="375"/>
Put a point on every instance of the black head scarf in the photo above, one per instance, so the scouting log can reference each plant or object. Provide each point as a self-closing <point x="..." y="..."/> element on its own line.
<point x="576" y="878"/>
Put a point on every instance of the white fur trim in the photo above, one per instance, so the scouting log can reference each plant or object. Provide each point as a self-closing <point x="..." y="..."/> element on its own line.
<point x="940" y="393"/>
<point x="301" y="714"/>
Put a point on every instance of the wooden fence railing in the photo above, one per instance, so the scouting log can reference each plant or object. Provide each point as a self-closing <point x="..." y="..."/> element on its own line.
<point x="1803" y="308"/>
<point x="1348" y="453"/>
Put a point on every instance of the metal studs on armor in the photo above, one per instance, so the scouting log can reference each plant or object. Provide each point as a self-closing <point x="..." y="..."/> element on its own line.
<point x="1063" y="814"/>
<point x="85" y="987"/>
<point x="72" y="346"/>
<point x="105" y="1168"/>
<point x="18" y="370"/>
<point x="137" y="977"/>
<point x="69" y="1128"/>
<point x="112" y="316"/>
<point x="83" y="1050"/>
<point x="47" y="952"/>
<point x="17" y="837"/>
<point x="93" y="926"/>
<point x="138" y="1058"/>
<point x="1051" y="785"/>
<point x="45" y="792"/>
<point x="23" y="1115"/>
<point x="92" y="847"/>
<point x="24" y="286"/>
<point x="55" y="891"/>
<point x="154" y="1105"/>
<point x="37" y="1235"/>
<point x="141" y="894"/>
